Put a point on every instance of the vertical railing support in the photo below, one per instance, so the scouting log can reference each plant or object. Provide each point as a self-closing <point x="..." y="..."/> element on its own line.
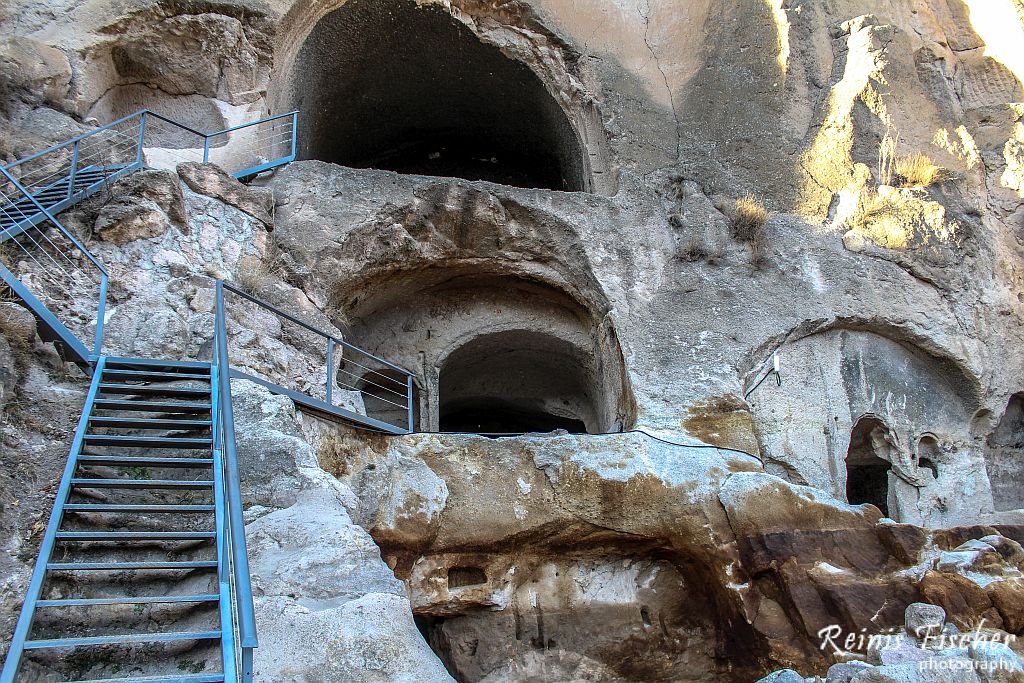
<point x="206" y="149"/>
<point x="244" y="613"/>
<point x="409" y="399"/>
<point x="295" y="135"/>
<point x="101" y="309"/>
<point x="142" y="139"/>
<point x="330" y="370"/>
<point x="74" y="169"/>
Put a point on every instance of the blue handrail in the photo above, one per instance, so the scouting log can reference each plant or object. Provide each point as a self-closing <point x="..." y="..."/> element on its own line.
<point x="372" y="382"/>
<point x="143" y="114"/>
<point x="234" y="531"/>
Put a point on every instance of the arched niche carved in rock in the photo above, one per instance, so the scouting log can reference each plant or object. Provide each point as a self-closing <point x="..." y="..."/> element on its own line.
<point x="405" y="86"/>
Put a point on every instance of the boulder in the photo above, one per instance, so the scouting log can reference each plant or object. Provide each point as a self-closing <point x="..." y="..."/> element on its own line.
<point x="161" y="187"/>
<point x="921" y="618"/>
<point x="371" y="639"/>
<point x="843" y="672"/>
<point x="212" y="181"/>
<point x="964" y="601"/>
<point x="127" y="219"/>
<point x="996" y="662"/>
<point x="1007" y="597"/>
<point x="313" y="552"/>
<point x="783" y="676"/>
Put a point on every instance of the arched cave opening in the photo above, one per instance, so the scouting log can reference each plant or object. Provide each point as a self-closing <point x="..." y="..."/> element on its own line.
<point x="867" y="473"/>
<point x="403" y="86"/>
<point x="492" y="352"/>
<point x="1004" y="457"/>
<point x="928" y="454"/>
<point x="517" y="381"/>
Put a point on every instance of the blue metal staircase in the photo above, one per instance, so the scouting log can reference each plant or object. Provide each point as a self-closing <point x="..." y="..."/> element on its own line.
<point x="142" y="572"/>
<point x="138" y="524"/>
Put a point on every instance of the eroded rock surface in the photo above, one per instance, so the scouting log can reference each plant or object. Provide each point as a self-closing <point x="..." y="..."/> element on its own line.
<point x="879" y="468"/>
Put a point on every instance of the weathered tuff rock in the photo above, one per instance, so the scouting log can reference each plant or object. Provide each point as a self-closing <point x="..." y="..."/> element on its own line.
<point x="891" y="305"/>
<point x="328" y="608"/>
<point x="535" y="538"/>
<point x="214" y="182"/>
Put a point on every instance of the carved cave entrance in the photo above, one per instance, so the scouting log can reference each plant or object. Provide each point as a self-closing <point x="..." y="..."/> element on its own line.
<point x="406" y="87"/>
<point x="494" y="353"/>
<point x="514" y="382"/>
<point x="867" y="473"/>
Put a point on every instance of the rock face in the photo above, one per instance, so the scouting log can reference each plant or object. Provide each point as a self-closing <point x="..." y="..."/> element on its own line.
<point x="742" y="281"/>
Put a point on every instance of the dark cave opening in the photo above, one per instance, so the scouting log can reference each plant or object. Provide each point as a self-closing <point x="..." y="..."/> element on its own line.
<point x="1004" y="456"/>
<point x="515" y="382"/>
<point x="408" y="88"/>
<point x="495" y="416"/>
<point x="867" y="474"/>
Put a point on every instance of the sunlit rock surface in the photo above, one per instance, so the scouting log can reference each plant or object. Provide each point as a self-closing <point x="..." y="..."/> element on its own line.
<point x="533" y="207"/>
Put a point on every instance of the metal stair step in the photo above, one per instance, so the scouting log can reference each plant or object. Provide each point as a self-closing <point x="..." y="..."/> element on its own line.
<point x="150" y="406"/>
<point x="148" y="441"/>
<point x="154" y="375"/>
<point x="148" y="600"/>
<point x="131" y="566"/>
<point x="136" y="461"/>
<point x="153" y="390"/>
<point x="144" y="423"/>
<point x="121" y="363"/>
<point x="141" y="483"/>
<point x="186" y="678"/>
<point x="125" y="639"/>
<point x="114" y="507"/>
<point x="134" y="535"/>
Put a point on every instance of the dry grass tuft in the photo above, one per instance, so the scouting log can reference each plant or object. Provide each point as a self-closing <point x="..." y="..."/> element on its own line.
<point x="748" y="220"/>
<point x="878" y="217"/>
<point x="912" y="170"/>
<point x="254" y="275"/>
<point x="917" y="170"/>
<point x="747" y="224"/>
<point x="887" y="158"/>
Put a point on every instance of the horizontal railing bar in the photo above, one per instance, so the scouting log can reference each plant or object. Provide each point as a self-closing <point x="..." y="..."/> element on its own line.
<point x="318" y="404"/>
<point x="53" y="220"/>
<point x="173" y="122"/>
<point x="360" y="377"/>
<point x="252" y="123"/>
<point x="275" y="309"/>
<point x="75" y="139"/>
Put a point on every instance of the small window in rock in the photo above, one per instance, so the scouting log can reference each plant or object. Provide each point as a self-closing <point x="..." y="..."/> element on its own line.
<point x="927" y="453"/>
<point x="466" y="576"/>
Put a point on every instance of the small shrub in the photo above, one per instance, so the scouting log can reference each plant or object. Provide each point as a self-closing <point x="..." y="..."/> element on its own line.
<point x="747" y="224"/>
<point x="748" y="220"/>
<point x="917" y="170"/>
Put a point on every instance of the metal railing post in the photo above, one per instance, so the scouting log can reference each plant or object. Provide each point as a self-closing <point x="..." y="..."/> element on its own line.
<point x="142" y="139"/>
<point x="206" y="149"/>
<point x="330" y="370"/>
<point x="409" y="398"/>
<point x="100" y="313"/>
<point x="74" y="168"/>
<point x="232" y="487"/>
<point x="295" y="134"/>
